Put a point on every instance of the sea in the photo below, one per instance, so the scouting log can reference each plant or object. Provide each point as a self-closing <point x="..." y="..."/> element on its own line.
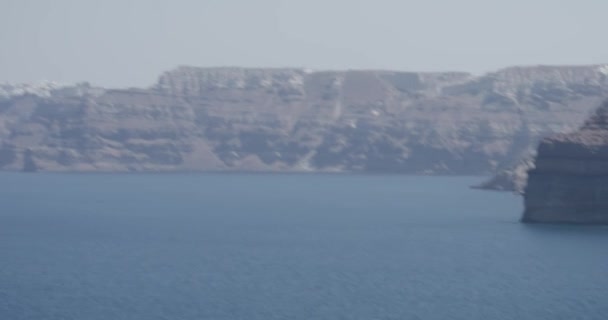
<point x="269" y="246"/>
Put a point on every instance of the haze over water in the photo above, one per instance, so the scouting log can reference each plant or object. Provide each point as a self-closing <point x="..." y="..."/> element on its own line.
<point x="235" y="246"/>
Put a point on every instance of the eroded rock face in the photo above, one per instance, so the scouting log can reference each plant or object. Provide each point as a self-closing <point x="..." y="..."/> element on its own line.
<point x="570" y="181"/>
<point x="513" y="178"/>
<point x="285" y="120"/>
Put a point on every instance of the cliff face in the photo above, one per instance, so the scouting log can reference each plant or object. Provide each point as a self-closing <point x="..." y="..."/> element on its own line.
<point x="570" y="181"/>
<point x="297" y="120"/>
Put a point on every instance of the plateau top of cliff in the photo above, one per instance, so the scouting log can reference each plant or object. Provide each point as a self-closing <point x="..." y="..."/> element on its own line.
<point x="511" y="85"/>
<point x="529" y="85"/>
<point x="48" y="89"/>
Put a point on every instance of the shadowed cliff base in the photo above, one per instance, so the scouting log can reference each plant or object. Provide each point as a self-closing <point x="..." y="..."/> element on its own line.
<point x="569" y="183"/>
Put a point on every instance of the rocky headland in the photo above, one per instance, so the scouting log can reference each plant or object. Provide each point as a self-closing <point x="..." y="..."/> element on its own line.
<point x="569" y="183"/>
<point x="297" y="120"/>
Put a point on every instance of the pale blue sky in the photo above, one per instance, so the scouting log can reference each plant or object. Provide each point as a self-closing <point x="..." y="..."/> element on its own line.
<point x="130" y="42"/>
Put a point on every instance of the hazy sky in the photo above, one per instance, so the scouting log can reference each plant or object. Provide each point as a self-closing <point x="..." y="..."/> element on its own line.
<point x="130" y="42"/>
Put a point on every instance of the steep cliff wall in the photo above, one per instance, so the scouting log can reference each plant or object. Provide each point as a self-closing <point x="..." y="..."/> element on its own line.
<point x="236" y="119"/>
<point x="570" y="181"/>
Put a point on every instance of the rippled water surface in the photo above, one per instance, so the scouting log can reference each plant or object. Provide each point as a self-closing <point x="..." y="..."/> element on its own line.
<point x="287" y="247"/>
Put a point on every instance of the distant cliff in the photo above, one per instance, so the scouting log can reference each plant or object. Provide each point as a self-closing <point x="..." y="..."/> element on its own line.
<point x="569" y="183"/>
<point x="293" y="120"/>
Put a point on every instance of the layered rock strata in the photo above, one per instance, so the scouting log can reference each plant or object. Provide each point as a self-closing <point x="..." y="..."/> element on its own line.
<point x="569" y="183"/>
<point x="292" y="120"/>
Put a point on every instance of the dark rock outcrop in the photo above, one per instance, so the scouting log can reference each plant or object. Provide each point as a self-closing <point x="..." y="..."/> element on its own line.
<point x="285" y="120"/>
<point x="569" y="183"/>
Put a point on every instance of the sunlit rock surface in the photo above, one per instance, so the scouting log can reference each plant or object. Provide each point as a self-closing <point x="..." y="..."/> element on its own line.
<point x="294" y="120"/>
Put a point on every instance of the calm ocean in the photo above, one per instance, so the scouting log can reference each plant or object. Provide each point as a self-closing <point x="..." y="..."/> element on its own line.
<point x="231" y="246"/>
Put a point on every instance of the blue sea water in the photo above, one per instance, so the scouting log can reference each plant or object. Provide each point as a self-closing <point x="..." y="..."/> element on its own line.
<point x="230" y="246"/>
